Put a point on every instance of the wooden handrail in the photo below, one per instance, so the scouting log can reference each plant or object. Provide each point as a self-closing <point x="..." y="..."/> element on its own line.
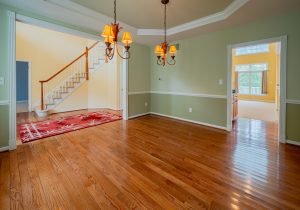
<point x="64" y="68"/>
<point x="86" y="53"/>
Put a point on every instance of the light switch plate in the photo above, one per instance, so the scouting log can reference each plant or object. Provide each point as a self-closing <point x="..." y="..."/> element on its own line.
<point x="220" y="82"/>
<point x="1" y="80"/>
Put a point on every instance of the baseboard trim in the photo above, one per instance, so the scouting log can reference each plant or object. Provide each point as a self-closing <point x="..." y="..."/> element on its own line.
<point x="297" y="143"/>
<point x="138" y="115"/>
<point x="3" y="149"/>
<point x="191" y="121"/>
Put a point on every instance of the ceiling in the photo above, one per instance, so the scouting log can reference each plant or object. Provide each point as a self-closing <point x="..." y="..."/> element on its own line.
<point x="144" y="18"/>
<point x="149" y="13"/>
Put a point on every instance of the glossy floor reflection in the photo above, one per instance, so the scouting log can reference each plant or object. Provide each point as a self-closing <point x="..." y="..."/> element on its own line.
<point x="154" y="162"/>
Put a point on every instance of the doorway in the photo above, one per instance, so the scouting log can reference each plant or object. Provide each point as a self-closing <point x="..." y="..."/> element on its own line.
<point x="23" y="86"/>
<point x="256" y="90"/>
<point x="13" y="19"/>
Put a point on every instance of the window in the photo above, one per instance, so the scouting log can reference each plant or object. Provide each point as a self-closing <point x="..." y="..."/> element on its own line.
<point x="262" y="48"/>
<point x="252" y="78"/>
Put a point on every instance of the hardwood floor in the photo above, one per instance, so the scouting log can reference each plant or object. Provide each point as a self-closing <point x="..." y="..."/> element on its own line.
<point x="153" y="162"/>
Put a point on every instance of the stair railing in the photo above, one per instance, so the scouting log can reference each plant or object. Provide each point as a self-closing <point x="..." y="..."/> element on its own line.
<point x="68" y="70"/>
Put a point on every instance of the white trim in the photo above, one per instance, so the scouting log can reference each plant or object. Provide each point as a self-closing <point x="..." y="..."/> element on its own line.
<point x="4" y="102"/>
<point x="3" y="149"/>
<point x="202" y="95"/>
<point x="291" y="101"/>
<point x="139" y="92"/>
<point x="54" y="27"/>
<point x="297" y="143"/>
<point x="191" y="121"/>
<point x="76" y="14"/>
<point x="90" y="13"/>
<point x="139" y="115"/>
<point x="283" y="69"/>
<point x="226" y="13"/>
<point x="12" y="78"/>
<point x="125" y="88"/>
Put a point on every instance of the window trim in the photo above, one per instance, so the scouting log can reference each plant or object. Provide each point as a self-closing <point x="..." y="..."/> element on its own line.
<point x="249" y="72"/>
<point x="252" y="53"/>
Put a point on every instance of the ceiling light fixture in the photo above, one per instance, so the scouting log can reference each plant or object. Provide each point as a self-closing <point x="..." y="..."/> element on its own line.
<point x="161" y="50"/>
<point x="110" y="34"/>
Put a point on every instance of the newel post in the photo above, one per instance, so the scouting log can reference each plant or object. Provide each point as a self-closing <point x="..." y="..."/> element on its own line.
<point x="87" y="63"/>
<point x="42" y="95"/>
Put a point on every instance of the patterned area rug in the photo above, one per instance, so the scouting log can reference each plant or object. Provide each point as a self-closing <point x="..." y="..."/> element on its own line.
<point x="42" y="129"/>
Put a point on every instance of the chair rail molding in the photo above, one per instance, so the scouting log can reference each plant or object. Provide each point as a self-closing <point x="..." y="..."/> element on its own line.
<point x="292" y="101"/>
<point x="200" y="95"/>
<point x="4" y="102"/>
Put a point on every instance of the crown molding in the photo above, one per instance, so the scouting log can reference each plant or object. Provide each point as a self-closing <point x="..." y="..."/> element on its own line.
<point x="227" y="12"/>
<point x="80" y="16"/>
<point x="67" y="4"/>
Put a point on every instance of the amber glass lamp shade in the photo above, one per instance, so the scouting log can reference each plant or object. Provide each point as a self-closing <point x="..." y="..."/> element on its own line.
<point x="126" y="38"/>
<point x="107" y="32"/>
<point x="109" y="40"/>
<point x="158" y="50"/>
<point x="172" y="50"/>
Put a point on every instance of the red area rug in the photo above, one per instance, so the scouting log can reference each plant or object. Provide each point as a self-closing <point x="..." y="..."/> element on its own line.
<point x="42" y="129"/>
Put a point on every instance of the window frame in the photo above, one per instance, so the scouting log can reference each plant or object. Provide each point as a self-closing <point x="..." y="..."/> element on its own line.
<point x="250" y="72"/>
<point x="254" y="50"/>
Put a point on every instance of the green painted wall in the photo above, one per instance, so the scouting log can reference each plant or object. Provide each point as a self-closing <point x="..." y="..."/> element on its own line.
<point x="3" y="53"/>
<point x="293" y="117"/>
<point x="139" y="79"/>
<point x="136" y="104"/>
<point x="178" y="106"/>
<point x="202" y="61"/>
<point x="4" y="125"/>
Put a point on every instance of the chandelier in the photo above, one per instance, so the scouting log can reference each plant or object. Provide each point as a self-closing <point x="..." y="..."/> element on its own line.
<point x="161" y="50"/>
<point x="110" y="34"/>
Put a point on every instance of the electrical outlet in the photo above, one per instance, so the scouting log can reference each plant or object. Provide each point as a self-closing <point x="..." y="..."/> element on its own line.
<point x="220" y="82"/>
<point x="190" y="109"/>
<point x="146" y="104"/>
<point x="1" y="80"/>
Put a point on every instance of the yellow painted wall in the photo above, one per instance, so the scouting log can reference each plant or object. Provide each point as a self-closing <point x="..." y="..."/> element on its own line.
<point x="49" y="51"/>
<point x="270" y="58"/>
<point x="104" y="86"/>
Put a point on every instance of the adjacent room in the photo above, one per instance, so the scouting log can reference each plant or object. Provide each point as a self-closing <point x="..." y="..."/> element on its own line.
<point x="256" y="73"/>
<point x="161" y="104"/>
<point x="54" y="64"/>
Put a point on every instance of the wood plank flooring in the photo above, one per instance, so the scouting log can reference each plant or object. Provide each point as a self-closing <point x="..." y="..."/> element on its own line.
<point x="153" y="162"/>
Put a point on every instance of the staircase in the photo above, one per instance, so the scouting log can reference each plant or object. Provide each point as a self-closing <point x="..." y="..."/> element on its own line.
<point x="63" y="83"/>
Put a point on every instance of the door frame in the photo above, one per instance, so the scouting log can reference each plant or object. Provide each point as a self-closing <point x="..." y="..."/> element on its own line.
<point x="29" y="83"/>
<point x="12" y="18"/>
<point x="283" y="40"/>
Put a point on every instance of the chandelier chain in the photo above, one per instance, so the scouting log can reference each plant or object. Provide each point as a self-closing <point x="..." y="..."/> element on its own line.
<point x="165" y="22"/>
<point x="115" y="11"/>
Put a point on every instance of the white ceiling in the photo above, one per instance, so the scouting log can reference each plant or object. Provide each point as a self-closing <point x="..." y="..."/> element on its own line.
<point x="185" y="20"/>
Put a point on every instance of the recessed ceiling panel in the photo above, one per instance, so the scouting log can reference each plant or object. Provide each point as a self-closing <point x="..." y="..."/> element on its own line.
<point x="149" y="13"/>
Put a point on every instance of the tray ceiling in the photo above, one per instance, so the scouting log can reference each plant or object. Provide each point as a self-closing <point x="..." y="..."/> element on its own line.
<point x="149" y="13"/>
